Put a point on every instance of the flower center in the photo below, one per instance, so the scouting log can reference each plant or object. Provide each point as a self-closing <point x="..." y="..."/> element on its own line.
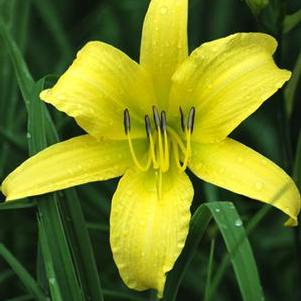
<point x="162" y="140"/>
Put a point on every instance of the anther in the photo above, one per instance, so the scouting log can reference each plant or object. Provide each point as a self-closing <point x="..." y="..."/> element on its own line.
<point x="156" y="117"/>
<point x="182" y="119"/>
<point x="190" y="122"/>
<point x="163" y="121"/>
<point x="126" y="121"/>
<point x="147" y="125"/>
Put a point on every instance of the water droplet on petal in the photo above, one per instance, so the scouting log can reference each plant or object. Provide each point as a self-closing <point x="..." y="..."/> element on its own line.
<point x="259" y="185"/>
<point x="238" y="223"/>
<point x="164" y="10"/>
<point x="240" y="159"/>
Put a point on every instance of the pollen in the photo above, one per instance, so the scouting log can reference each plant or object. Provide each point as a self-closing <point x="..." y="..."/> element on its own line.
<point x="165" y="143"/>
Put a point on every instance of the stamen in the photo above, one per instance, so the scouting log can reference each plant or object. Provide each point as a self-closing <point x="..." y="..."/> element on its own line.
<point x="182" y="119"/>
<point x="165" y="163"/>
<point x="156" y="117"/>
<point x="188" y="150"/>
<point x="190" y="122"/>
<point x="147" y="125"/>
<point x="163" y="121"/>
<point x="127" y="128"/>
<point x="151" y="141"/>
<point x="161" y="154"/>
<point x="126" y="121"/>
<point x="166" y="152"/>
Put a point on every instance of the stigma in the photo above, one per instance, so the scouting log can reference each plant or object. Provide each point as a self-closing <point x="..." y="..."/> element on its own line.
<point x="165" y="143"/>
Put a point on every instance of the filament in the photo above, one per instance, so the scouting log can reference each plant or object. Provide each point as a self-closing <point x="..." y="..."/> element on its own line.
<point x="134" y="156"/>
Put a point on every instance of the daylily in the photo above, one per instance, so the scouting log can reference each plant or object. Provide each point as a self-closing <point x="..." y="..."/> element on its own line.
<point x="152" y="120"/>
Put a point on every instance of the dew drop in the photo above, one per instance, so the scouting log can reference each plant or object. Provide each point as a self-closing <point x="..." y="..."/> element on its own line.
<point x="164" y="10"/>
<point x="238" y="223"/>
<point x="240" y="159"/>
<point x="52" y="281"/>
<point x="217" y="210"/>
<point x="259" y="185"/>
<point x="28" y="135"/>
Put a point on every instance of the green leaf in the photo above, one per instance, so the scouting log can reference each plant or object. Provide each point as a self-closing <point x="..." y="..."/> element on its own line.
<point x="209" y="270"/>
<point x="50" y="214"/>
<point x="291" y="87"/>
<point x="297" y="164"/>
<point x="291" y="21"/>
<point x="234" y="235"/>
<point x="257" y="6"/>
<point x="74" y="269"/>
<point x="49" y="15"/>
<point x="21" y="298"/>
<point x="27" y="280"/>
<point x="19" y="204"/>
<point x="76" y="229"/>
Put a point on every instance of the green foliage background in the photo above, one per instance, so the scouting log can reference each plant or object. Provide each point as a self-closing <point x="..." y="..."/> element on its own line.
<point x="49" y="33"/>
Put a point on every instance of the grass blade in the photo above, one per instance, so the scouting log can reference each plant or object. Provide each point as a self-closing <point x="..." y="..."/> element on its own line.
<point x="48" y="206"/>
<point x="77" y="232"/>
<point x="234" y="235"/>
<point x="291" y="21"/>
<point x="52" y="213"/>
<point x="209" y="270"/>
<point x="297" y="164"/>
<point x="239" y="249"/>
<point x="27" y="280"/>
<point x="291" y="88"/>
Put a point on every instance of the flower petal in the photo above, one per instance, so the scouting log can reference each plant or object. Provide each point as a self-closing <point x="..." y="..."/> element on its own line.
<point x="226" y="80"/>
<point x="98" y="86"/>
<point x="236" y="167"/>
<point x="73" y="162"/>
<point x="148" y="231"/>
<point x="164" y="43"/>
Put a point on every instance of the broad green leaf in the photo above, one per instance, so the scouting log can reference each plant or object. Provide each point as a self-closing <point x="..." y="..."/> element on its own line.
<point x="27" y="280"/>
<point x="234" y="235"/>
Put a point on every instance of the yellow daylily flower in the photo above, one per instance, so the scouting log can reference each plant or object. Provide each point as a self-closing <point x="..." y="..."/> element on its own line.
<point x="149" y="122"/>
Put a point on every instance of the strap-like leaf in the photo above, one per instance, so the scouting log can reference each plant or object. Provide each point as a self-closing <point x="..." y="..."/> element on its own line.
<point x="236" y="241"/>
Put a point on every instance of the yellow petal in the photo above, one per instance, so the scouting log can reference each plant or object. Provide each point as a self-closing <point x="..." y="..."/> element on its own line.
<point x="234" y="166"/>
<point x="96" y="89"/>
<point x="148" y="231"/>
<point x="76" y="161"/>
<point x="164" y="43"/>
<point x="226" y="80"/>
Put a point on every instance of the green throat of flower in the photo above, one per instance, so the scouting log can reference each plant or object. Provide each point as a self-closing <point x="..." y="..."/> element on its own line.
<point x="162" y="139"/>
